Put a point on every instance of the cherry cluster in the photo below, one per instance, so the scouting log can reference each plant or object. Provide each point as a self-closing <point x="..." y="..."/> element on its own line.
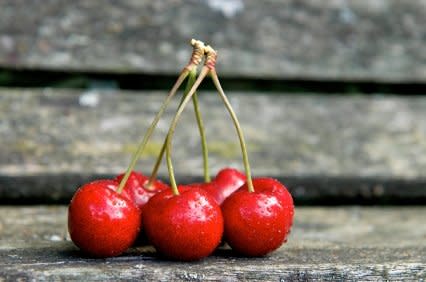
<point x="183" y="222"/>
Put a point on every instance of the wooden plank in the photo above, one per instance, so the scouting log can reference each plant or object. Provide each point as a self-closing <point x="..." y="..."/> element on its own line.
<point x="348" y="243"/>
<point x="333" y="40"/>
<point x="349" y="149"/>
<point x="54" y="188"/>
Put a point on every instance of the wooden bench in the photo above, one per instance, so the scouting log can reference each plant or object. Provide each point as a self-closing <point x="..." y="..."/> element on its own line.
<point x="354" y="163"/>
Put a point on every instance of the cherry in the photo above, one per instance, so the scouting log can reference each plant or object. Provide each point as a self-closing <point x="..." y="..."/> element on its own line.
<point x="224" y="184"/>
<point x="183" y="223"/>
<point x="258" y="222"/>
<point x="187" y="226"/>
<point x="102" y="222"/>
<point x="228" y="180"/>
<point x="136" y="187"/>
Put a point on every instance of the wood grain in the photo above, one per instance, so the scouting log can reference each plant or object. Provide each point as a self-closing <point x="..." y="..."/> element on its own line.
<point x="315" y="40"/>
<point x="347" y="243"/>
<point x="352" y="148"/>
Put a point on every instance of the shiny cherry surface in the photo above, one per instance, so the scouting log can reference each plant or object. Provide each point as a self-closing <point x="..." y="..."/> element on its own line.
<point x="101" y="222"/>
<point x="257" y="223"/>
<point x="187" y="227"/>
<point x="226" y="182"/>
<point x="135" y="188"/>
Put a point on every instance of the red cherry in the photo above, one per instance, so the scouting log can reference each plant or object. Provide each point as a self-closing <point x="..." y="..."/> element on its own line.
<point x="102" y="222"/>
<point x="210" y="187"/>
<point x="226" y="182"/>
<point x="135" y="188"/>
<point x="187" y="227"/>
<point x="275" y="187"/>
<point x="257" y="223"/>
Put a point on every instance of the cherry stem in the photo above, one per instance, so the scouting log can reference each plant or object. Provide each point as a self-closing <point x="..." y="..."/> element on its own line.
<point x="196" y="57"/>
<point x="191" y="79"/>
<point x="228" y="106"/>
<point x="203" y="138"/>
<point x="151" y="128"/>
<point x="204" y="71"/>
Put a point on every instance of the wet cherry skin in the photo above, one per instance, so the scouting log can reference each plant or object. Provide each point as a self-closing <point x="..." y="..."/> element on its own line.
<point x="226" y="182"/>
<point x="102" y="222"/>
<point x="185" y="227"/>
<point x="135" y="187"/>
<point x="257" y="223"/>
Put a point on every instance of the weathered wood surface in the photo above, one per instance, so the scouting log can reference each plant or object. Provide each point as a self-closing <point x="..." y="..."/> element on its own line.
<point x="373" y="40"/>
<point x="338" y="147"/>
<point x="348" y="243"/>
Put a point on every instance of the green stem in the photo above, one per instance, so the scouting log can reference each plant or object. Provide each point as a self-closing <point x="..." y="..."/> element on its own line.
<point x="151" y="128"/>
<point x="191" y="79"/>
<point x="203" y="74"/>
<point x="203" y="138"/>
<point x="237" y="127"/>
